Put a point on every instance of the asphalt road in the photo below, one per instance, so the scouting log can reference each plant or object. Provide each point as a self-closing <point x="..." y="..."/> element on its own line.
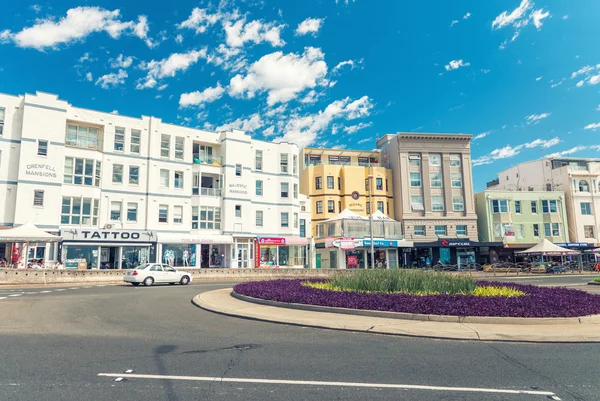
<point x="54" y="345"/>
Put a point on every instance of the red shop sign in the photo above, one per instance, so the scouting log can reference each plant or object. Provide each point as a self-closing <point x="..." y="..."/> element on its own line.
<point x="256" y="253"/>
<point x="352" y="261"/>
<point x="271" y="241"/>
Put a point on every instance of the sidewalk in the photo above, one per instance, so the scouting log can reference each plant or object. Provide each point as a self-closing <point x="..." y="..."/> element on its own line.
<point x="220" y="301"/>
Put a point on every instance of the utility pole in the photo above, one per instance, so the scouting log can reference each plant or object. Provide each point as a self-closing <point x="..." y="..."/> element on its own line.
<point x="371" y="220"/>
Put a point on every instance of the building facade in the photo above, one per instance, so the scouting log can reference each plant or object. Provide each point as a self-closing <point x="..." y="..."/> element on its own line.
<point x="123" y="190"/>
<point x="579" y="179"/>
<point x="433" y="195"/>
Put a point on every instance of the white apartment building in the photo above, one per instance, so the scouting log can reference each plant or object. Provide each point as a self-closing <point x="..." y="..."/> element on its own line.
<point x="580" y="181"/>
<point x="123" y="190"/>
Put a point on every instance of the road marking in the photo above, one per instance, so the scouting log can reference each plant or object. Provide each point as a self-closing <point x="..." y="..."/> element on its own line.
<point x="100" y="286"/>
<point x="30" y="293"/>
<point x="2" y="297"/>
<point x="44" y="292"/>
<point x="15" y="295"/>
<point x="332" y="384"/>
<point x="73" y="288"/>
<point x="60" y="289"/>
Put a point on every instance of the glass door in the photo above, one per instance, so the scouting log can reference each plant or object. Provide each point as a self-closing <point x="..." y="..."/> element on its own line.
<point x="243" y="256"/>
<point x="464" y="258"/>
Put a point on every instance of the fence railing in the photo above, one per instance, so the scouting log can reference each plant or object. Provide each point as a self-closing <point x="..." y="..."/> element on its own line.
<point x="206" y="159"/>
<point x="215" y="192"/>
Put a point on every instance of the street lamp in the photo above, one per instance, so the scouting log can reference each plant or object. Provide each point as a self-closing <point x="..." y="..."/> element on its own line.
<point x="370" y="177"/>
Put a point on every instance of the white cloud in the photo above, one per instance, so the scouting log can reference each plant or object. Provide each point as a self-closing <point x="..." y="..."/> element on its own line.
<point x="169" y="67"/>
<point x="538" y="16"/>
<point x="456" y="64"/>
<point x="591" y="75"/>
<point x="200" y="20"/>
<point x="240" y="32"/>
<point x="598" y="108"/>
<point x="89" y="77"/>
<point x="351" y="63"/>
<point x="250" y="124"/>
<point x="121" y="62"/>
<point x="196" y="98"/>
<point x="112" y="80"/>
<point x="482" y="135"/>
<point x="115" y="112"/>
<point x="485" y="71"/>
<point x="355" y="128"/>
<point x="268" y="132"/>
<point x="283" y="76"/>
<point x="162" y="87"/>
<point x="310" y="25"/>
<point x="454" y="22"/>
<point x="568" y="151"/>
<point x="466" y="16"/>
<point x="179" y="38"/>
<point x="538" y="78"/>
<point x="509" y="151"/>
<point x="515" y="17"/>
<point x="311" y="97"/>
<point x="545" y="144"/>
<point x="36" y="8"/>
<point x="86" y="57"/>
<point x="592" y="126"/>
<point x="364" y="140"/>
<point x="557" y="83"/>
<point x="79" y="23"/>
<point x="564" y="17"/>
<point x="520" y="18"/>
<point x="536" y="117"/>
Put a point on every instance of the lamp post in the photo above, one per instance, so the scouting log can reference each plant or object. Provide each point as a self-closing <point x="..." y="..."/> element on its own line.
<point x="370" y="177"/>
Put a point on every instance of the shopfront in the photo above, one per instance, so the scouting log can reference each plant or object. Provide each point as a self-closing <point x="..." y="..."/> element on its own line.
<point x="280" y="252"/>
<point x="106" y="249"/>
<point x="460" y="252"/>
<point x="195" y="251"/>
<point x="351" y="253"/>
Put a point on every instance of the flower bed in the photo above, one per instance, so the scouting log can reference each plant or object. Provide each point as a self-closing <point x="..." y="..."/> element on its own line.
<point x="538" y="301"/>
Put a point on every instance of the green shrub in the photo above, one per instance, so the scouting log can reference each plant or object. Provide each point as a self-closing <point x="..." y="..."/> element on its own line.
<point x="597" y="280"/>
<point x="407" y="281"/>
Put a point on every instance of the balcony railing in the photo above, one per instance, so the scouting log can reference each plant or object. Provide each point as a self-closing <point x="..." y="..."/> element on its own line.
<point x="216" y="192"/>
<point x="206" y="159"/>
<point x="339" y="163"/>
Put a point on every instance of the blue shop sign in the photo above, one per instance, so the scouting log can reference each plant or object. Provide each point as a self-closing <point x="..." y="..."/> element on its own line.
<point x="381" y="243"/>
<point x="573" y="244"/>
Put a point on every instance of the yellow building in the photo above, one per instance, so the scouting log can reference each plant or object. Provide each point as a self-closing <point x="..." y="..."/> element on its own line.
<point x="335" y="179"/>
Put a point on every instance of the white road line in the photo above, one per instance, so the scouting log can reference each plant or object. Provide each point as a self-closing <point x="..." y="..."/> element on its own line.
<point x="73" y="288"/>
<point x="15" y="295"/>
<point x="44" y="292"/>
<point x="30" y="293"/>
<point x="60" y="289"/>
<point x="332" y="384"/>
<point x="100" y="286"/>
<point x="2" y="297"/>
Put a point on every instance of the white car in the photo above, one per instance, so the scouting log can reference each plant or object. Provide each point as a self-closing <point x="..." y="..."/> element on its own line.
<point x="150" y="273"/>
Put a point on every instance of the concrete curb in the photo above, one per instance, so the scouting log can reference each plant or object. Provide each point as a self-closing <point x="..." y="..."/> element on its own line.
<point x="425" y="318"/>
<point x="593" y="283"/>
<point x="222" y="302"/>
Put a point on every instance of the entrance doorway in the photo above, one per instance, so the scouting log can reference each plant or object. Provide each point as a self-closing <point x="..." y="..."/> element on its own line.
<point x="464" y="258"/>
<point x="109" y="255"/>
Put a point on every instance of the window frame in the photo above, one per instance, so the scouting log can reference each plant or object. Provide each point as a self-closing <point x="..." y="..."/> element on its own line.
<point x="161" y="177"/>
<point x="115" y="174"/>
<point x="319" y="207"/>
<point x="438" y="197"/>
<point x="588" y="208"/>
<point x="455" y="160"/>
<point x="284" y="193"/>
<point x="112" y="210"/>
<point x="437" y="157"/>
<point x="462" y="232"/>
<point x="518" y="207"/>
<point x="318" y="182"/>
<point x="40" y="147"/>
<point x="179" y="147"/>
<point x="419" y="231"/>
<point x="165" y="209"/>
<point x="454" y="180"/>
<point x="330" y="182"/>
<point x="438" y="182"/>
<point x="536" y="229"/>
<point x="178" y="183"/>
<point x="379" y="184"/>
<point x="39" y="199"/>
<point x="284" y="163"/>
<point x="586" y="231"/>
<point x="258" y="188"/>
<point x="135" y="142"/>
<point x="534" y="206"/>
<point x="420" y="206"/>
<point x="238" y="211"/>
<point x="454" y="203"/>
<point x="284" y="223"/>
<point x="440" y="233"/>
<point x="414" y="180"/>
<point x="330" y="206"/>
<point x="165" y="146"/>
<point x="137" y="181"/>
<point x="258" y="160"/>
<point x="177" y="214"/>
<point x="259" y="222"/>
<point x="238" y="170"/>
<point x="135" y="210"/>
<point x="119" y="140"/>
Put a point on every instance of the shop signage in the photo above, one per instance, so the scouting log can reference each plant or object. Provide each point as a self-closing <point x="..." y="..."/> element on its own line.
<point x="380" y="243"/>
<point x="346" y="244"/>
<point x="241" y="189"/>
<point x="574" y="244"/>
<point x="356" y="207"/>
<point x="256" y="253"/>
<point x="40" y="170"/>
<point x="352" y="261"/>
<point x="451" y="243"/>
<point x="271" y="241"/>
<point x="329" y="242"/>
<point x="108" y="235"/>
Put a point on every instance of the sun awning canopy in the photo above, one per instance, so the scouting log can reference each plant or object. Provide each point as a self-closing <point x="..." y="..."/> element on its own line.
<point x="347" y="214"/>
<point x="378" y="215"/>
<point x="28" y="232"/>
<point x="545" y="247"/>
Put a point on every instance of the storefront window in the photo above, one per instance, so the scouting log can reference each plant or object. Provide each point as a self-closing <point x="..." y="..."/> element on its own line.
<point x="179" y="255"/>
<point x="284" y="254"/>
<point x="355" y="259"/>
<point x="80" y="256"/>
<point x="268" y="255"/>
<point x="133" y="256"/>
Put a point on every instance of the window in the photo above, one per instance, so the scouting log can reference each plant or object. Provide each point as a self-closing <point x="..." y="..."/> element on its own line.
<point x="500" y="205"/>
<point x="295" y="220"/>
<point x="386" y="185"/>
<point x="117" y="176"/>
<point x="549" y="206"/>
<point x="179" y="147"/>
<point x="81" y="172"/>
<point x="132" y="211"/>
<point x="165" y="145"/>
<point x="518" y="207"/>
<point x="119" y="139"/>
<point x="319" y="207"/>
<point x="435" y="160"/>
<point x="210" y="218"/>
<point x="283" y="162"/>
<point x="536" y="230"/>
<point x="586" y="208"/>
<point x="1" y="120"/>
<point x="380" y="206"/>
<point x="115" y="210"/>
<point x="339" y="180"/>
<point x="339" y="207"/>
<point x="534" y="207"/>
<point x="319" y="182"/>
<point x="295" y="164"/>
<point x="164" y="178"/>
<point x="454" y="160"/>
<point x="416" y="203"/>
<point x="379" y="184"/>
<point x="441" y="230"/>
<point x="461" y="230"/>
<point x="195" y="217"/>
<point x="548" y="187"/>
<point x="38" y="198"/>
<point x="520" y="231"/>
<point x="258" y="160"/>
<point x="79" y="211"/>
<point x="97" y="174"/>
<point x="552" y="229"/>
<point x="285" y="190"/>
<point x="387" y="204"/>
<point x="163" y="213"/>
<point x="436" y="180"/>
<point x="42" y="148"/>
<point x="330" y="206"/>
<point x="415" y="180"/>
<point x="177" y="214"/>
<point x="259" y="188"/>
<point x="238" y="210"/>
<point x="458" y="203"/>
<point x="285" y="217"/>
<point x="83" y="137"/>
<point x="295" y="191"/>
<point x="238" y="170"/>
<point x="437" y="203"/>
<point x="588" y="232"/>
<point x="302" y="228"/>
<point x="456" y="180"/>
<point x="419" y="230"/>
<point x="178" y="179"/>
<point x="134" y="175"/>
<point x="330" y="182"/>
<point x="497" y="230"/>
<point x="259" y="218"/>
<point x="584" y="186"/>
<point x="134" y="147"/>
<point x="414" y="160"/>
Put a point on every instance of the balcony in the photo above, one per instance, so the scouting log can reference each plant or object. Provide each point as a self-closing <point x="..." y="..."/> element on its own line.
<point x="202" y="191"/>
<point x="342" y="163"/>
<point x="360" y="229"/>
<point x="207" y="159"/>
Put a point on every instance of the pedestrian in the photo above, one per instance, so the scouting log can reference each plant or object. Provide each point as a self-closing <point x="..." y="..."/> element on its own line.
<point x="58" y="265"/>
<point x="439" y="261"/>
<point x="428" y="262"/>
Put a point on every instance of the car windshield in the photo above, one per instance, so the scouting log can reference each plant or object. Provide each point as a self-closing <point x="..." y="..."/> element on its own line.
<point x="143" y="266"/>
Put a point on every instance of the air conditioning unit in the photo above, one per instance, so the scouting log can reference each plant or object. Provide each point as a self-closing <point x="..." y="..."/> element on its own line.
<point x="108" y="226"/>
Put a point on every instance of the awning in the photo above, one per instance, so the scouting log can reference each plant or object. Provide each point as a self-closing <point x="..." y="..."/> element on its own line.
<point x="347" y="214"/>
<point x="296" y="241"/>
<point x="545" y="247"/>
<point x="282" y="241"/>
<point x="28" y="232"/>
<point x="169" y="238"/>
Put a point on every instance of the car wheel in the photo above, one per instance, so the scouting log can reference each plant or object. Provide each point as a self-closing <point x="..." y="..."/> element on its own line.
<point x="171" y="283"/>
<point x="185" y="280"/>
<point x="148" y="281"/>
<point x="135" y="284"/>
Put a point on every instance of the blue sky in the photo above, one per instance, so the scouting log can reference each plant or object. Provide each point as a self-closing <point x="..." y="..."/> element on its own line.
<point x="522" y="76"/>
